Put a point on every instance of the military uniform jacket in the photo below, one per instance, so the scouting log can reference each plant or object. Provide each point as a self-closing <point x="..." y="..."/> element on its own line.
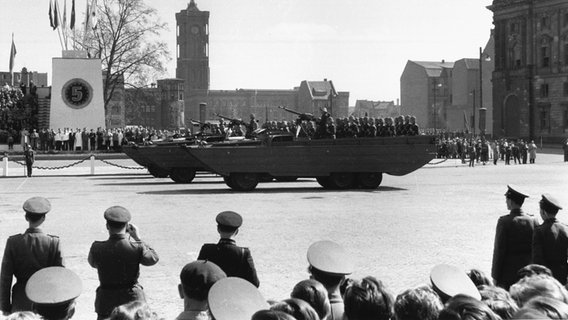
<point x="513" y="247"/>
<point x="118" y="261"/>
<point x="550" y="245"/>
<point x="24" y="255"/>
<point x="234" y="260"/>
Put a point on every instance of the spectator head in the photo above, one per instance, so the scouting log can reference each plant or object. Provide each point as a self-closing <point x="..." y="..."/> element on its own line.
<point x="549" y="205"/>
<point x="533" y="269"/>
<point x="271" y="315"/>
<point x="228" y="223"/>
<point x="329" y="263"/>
<point x="197" y="278"/>
<point x="368" y="299"/>
<point x="464" y="307"/>
<point x="36" y="208"/>
<point x="515" y="197"/>
<point x="478" y="277"/>
<point x="499" y="300"/>
<point x="543" y="308"/>
<point x="314" y="293"/>
<point x="23" y="315"/>
<point x="418" y="303"/>
<point x="117" y="218"/>
<point x="297" y="308"/>
<point x="449" y="281"/>
<point x="135" y="310"/>
<point x="538" y="285"/>
<point x="53" y="291"/>
<point x="234" y="298"/>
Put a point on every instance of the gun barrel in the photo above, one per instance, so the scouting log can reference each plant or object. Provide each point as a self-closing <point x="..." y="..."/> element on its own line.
<point x="290" y="110"/>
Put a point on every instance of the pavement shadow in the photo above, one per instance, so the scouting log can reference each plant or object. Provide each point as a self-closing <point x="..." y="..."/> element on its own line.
<point x="227" y="190"/>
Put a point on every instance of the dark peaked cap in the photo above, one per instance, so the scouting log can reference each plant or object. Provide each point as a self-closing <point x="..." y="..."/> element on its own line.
<point x="515" y="193"/>
<point x="37" y="205"/>
<point x="329" y="257"/>
<point x="229" y="219"/>
<point x="550" y="203"/>
<point x="235" y="299"/>
<point x="53" y="286"/>
<point x="200" y="275"/>
<point x="117" y="214"/>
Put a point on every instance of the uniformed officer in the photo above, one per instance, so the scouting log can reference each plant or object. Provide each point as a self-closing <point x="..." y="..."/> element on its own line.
<point x="550" y="241"/>
<point x="329" y="264"/>
<point x="234" y="260"/>
<point x="53" y="292"/>
<point x="29" y="156"/>
<point x="25" y="254"/>
<point x="513" y="240"/>
<point x="118" y="261"/>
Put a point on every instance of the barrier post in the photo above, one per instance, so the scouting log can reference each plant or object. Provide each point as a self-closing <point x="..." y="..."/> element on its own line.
<point x="92" y="165"/>
<point x="5" y="166"/>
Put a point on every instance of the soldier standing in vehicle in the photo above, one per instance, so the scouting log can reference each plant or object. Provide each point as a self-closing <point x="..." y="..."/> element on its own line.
<point x="234" y="260"/>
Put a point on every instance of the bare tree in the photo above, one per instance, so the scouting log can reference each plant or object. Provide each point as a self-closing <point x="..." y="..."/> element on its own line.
<point x="127" y="40"/>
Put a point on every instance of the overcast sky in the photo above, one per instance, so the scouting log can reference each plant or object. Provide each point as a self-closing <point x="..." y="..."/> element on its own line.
<point x="362" y="45"/>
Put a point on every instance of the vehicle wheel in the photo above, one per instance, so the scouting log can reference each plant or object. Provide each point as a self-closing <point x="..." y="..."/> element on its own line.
<point x="265" y="178"/>
<point x="341" y="180"/>
<point x="324" y="182"/>
<point x="243" y="181"/>
<point x="158" y="172"/>
<point x="369" y="180"/>
<point x="228" y="182"/>
<point x="182" y="175"/>
<point x="286" y="179"/>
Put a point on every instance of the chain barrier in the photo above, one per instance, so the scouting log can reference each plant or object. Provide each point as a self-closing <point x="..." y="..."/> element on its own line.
<point x="79" y="162"/>
<point x="121" y="166"/>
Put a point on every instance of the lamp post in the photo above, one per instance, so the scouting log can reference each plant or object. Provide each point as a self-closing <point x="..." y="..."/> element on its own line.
<point x="482" y="58"/>
<point x="435" y="108"/>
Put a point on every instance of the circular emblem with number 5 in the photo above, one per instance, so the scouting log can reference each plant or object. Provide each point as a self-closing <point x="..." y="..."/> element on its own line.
<point x="77" y="93"/>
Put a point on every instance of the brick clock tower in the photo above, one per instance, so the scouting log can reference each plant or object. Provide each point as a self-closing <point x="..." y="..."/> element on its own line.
<point x="193" y="48"/>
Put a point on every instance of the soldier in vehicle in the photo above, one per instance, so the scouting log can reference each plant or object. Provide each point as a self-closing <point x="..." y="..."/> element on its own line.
<point x="389" y="127"/>
<point x="413" y="128"/>
<point x="251" y="126"/>
<point x="322" y="129"/>
<point x="353" y="128"/>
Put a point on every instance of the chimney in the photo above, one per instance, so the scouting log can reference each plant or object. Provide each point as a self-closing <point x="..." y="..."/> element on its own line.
<point x="325" y="79"/>
<point x="443" y="61"/>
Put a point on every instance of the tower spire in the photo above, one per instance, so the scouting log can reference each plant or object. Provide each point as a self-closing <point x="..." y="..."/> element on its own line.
<point x="191" y="6"/>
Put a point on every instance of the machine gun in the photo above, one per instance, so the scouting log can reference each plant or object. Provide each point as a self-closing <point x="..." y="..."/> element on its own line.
<point x="232" y="121"/>
<point x="301" y="116"/>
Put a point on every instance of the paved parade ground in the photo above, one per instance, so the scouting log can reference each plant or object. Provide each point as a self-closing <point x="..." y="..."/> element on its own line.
<point x="444" y="213"/>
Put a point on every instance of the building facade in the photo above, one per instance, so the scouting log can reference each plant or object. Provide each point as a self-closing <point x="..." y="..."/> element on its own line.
<point x="530" y="81"/>
<point x="376" y="109"/>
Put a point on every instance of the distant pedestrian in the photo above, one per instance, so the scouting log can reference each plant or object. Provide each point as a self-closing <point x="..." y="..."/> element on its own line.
<point x="10" y="141"/>
<point x="118" y="261"/>
<point x="29" y="156"/>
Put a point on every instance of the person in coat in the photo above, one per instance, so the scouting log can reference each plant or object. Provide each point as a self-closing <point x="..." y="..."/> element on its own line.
<point x="25" y="254"/>
<point x="234" y="260"/>
<point x="118" y="261"/>
<point x="550" y="240"/>
<point x="513" y="240"/>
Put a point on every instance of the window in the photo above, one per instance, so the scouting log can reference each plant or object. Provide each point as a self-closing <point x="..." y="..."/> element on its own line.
<point x="566" y="52"/>
<point x="565" y="88"/>
<point x="545" y="22"/>
<point x="544" y="90"/>
<point x="545" y="55"/>
<point x="565" y="19"/>
<point x="544" y="117"/>
<point x="565" y="116"/>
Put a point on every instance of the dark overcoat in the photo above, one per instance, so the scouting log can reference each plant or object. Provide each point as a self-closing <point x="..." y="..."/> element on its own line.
<point x="550" y="245"/>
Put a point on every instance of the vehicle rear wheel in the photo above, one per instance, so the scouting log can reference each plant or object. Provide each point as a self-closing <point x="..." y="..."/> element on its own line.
<point x="341" y="180"/>
<point x="243" y="181"/>
<point x="158" y="172"/>
<point x="182" y="175"/>
<point x="324" y="182"/>
<point x="286" y="179"/>
<point x="369" y="180"/>
<point x="228" y="182"/>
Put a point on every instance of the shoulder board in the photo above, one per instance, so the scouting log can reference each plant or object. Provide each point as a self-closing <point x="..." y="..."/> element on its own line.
<point x="53" y="236"/>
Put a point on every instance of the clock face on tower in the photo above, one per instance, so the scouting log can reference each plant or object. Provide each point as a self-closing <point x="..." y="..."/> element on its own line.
<point x="194" y="29"/>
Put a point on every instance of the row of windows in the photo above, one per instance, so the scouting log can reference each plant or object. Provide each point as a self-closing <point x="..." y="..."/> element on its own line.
<point x="544" y="89"/>
<point x="544" y="22"/>
<point x="544" y="117"/>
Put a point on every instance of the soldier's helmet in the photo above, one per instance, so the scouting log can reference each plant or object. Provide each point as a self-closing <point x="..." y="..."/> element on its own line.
<point x="412" y="119"/>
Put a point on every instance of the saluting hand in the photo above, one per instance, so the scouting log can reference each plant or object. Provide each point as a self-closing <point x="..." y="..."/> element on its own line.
<point x="132" y="230"/>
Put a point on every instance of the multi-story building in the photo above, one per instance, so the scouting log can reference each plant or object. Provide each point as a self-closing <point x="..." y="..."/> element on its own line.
<point x="376" y="109"/>
<point x="449" y="95"/>
<point x="530" y="81"/>
<point x="24" y="76"/>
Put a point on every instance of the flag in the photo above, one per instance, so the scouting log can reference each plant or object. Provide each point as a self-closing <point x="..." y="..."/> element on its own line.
<point x="55" y="16"/>
<point x="87" y="16"/>
<point x="12" y="54"/>
<point x="93" y="13"/>
<point x="64" y="21"/>
<point x="465" y="122"/>
<point x="51" y="14"/>
<point x="72" y="23"/>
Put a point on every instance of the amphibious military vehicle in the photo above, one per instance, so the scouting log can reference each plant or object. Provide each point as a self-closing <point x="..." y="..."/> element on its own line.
<point x="335" y="163"/>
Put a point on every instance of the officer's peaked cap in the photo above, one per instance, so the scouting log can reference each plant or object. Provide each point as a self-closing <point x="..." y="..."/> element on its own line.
<point x="53" y="286"/>
<point x="449" y="281"/>
<point x="37" y="205"/>
<point x="117" y="214"/>
<point x="515" y="193"/>
<point x="329" y="257"/>
<point x="550" y="203"/>
<point x="229" y="219"/>
<point x="234" y="298"/>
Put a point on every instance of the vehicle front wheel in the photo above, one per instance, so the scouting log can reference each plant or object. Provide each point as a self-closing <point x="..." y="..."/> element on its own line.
<point x="243" y="181"/>
<point x="182" y="175"/>
<point x="158" y="172"/>
<point x="341" y="180"/>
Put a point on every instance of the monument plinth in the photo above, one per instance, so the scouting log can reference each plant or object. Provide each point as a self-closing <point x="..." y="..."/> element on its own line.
<point x="76" y="92"/>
